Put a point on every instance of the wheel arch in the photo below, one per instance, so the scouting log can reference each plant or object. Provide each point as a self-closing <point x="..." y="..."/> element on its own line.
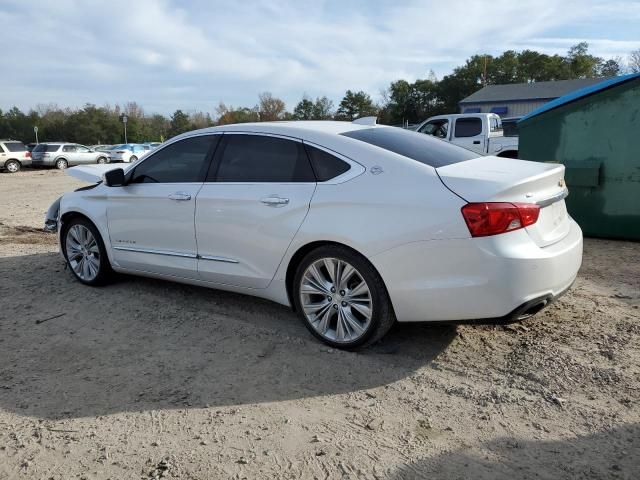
<point x="508" y="154"/>
<point x="302" y="252"/>
<point x="75" y="213"/>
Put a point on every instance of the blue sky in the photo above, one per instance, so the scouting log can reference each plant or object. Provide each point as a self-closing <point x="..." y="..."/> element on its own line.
<point x="193" y="54"/>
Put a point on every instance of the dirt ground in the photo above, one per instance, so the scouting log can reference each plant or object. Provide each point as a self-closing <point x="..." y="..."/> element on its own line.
<point x="149" y="379"/>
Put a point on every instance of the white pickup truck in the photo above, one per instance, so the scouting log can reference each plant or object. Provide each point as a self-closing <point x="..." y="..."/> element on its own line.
<point x="480" y="132"/>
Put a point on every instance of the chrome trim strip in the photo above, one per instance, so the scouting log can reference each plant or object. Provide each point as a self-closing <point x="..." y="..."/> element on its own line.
<point x="157" y="252"/>
<point x="556" y="198"/>
<point x="217" y="259"/>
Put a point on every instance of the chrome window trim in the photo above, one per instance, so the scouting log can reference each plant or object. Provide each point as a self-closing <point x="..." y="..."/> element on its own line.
<point x="156" y="252"/>
<point x="214" y="258"/>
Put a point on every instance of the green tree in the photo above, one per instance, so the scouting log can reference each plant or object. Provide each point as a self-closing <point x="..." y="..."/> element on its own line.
<point x="179" y="123"/>
<point x="610" y="68"/>
<point x="355" y="105"/>
<point x="304" y="110"/>
<point x="307" y="109"/>
<point x="580" y="63"/>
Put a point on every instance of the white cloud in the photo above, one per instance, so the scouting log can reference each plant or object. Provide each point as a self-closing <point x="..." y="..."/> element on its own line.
<point x="169" y="55"/>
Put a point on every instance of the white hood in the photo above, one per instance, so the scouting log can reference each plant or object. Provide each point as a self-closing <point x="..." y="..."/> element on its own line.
<point x="91" y="173"/>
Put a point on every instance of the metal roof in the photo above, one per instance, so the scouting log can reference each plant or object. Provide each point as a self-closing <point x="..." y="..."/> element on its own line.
<point x="528" y="91"/>
<point x="583" y="92"/>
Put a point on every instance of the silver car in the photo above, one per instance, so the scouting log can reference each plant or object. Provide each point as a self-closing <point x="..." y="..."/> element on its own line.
<point x="63" y="155"/>
<point x="13" y="156"/>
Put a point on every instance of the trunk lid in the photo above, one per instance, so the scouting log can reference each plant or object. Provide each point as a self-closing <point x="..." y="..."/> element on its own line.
<point x="495" y="179"/>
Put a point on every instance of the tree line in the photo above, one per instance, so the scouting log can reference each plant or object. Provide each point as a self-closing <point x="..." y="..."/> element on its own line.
<point x="402" y="102"/>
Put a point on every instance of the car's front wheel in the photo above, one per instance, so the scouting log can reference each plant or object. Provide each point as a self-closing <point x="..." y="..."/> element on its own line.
<point x="132" y="158"/>
<point x="341" y="298"/>
<point x="102" y="159"/>
<point x="85" y="252"/>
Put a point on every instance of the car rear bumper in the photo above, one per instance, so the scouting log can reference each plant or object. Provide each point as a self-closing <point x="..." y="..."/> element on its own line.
<point x="499" y="277"/>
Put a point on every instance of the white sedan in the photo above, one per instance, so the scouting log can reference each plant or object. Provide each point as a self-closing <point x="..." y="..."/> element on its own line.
<point x="353" y="225"/>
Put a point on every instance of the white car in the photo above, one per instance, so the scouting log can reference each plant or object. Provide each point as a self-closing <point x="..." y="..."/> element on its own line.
<point x="354" y="226"/>
<point x="127" y="152"/>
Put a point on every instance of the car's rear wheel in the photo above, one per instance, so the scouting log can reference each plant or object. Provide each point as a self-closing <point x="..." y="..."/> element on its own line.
<point x="341" y="298"/>
<point x="85" y="252"/>
<point x="61" y="164"/>
<point x="12" y="166"/>
<point x="102" y="159"/>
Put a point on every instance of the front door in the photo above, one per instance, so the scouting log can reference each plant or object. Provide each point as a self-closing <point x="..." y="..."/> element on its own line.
<point x="251" y="206"/>
<point x="151" y="219"/>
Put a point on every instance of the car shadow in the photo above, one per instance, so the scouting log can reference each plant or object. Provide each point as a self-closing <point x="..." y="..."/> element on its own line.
<point x="68" y="350"/>
<point x="614" y="453"/>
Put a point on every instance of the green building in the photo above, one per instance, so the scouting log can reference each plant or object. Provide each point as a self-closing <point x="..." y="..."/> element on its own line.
<point x="595" y="133"/>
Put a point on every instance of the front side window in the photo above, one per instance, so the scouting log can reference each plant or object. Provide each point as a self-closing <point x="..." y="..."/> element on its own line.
<point x="181" y="162"/>
<point x="259" y="159"/>
<point x="437" y="128"/>
<point x="81" y="149"/>
<point x="325" y="165"/>
<point x="468" y="127"/>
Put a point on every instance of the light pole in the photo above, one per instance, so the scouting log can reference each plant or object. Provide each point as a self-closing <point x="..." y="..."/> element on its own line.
<point x="35" y="130"/>
<point x="124" y="121"/>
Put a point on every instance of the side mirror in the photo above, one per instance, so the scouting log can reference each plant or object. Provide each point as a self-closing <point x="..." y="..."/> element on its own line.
<point x="114" y="178"/>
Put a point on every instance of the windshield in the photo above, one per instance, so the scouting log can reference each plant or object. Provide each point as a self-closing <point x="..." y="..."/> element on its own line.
<point x="416" y="146"/>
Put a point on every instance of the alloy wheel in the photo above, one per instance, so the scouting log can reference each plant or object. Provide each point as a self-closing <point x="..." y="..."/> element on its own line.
<point x="336" y="300"/>
<point x="12" y="167"/>
<point x="83" y="252"/>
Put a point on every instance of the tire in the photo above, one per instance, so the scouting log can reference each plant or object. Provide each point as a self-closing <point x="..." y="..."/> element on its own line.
<point x="82" y="245"/>
<point x="132" y="158"/>
<point x="339" y="313"/>
<point x="62" y="164"/>
<point x="102" y="159"/>
<point x="12" y="166"/>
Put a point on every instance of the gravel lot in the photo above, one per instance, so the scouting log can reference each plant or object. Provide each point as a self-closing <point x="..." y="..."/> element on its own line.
<point x="148" y="379"/>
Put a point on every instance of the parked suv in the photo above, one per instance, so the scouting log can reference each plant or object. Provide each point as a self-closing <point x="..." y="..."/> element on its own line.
<point x="127" y="152"/>
<point x="63" y="155"/>
<point x="13" y="156"/>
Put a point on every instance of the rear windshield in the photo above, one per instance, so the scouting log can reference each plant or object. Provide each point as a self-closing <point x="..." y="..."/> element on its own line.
<point x="417" y="146"/>
<point x="46" y="147"/>
<point x="15" y="146"/>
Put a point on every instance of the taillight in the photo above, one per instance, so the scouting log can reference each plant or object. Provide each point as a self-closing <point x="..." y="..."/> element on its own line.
<point x="27" y="154"/>
<point x="493" y="218"/>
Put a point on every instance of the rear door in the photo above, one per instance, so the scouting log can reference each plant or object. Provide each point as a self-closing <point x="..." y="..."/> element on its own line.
<point x="151" y="219"/>
<point x="469" y="132"/>
<point x="251" y="206"/>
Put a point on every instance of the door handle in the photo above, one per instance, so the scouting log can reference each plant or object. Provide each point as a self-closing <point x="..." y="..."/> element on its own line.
<point x="275" y="201"/>
<point x="180" y="196"/>
<point x="476" y="142"/>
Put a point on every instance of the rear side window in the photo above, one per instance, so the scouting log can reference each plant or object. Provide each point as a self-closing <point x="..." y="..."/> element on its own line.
<point x="259" y="159"/>
<point x="325" y="165"/>
<point x="15" y="146"/>
<point x="46" y="147"/>
<point x="468" y="127"/>
<point x="416" y="146"/>
<point x="181" y="162"/>
<point x="69" y="148"/>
